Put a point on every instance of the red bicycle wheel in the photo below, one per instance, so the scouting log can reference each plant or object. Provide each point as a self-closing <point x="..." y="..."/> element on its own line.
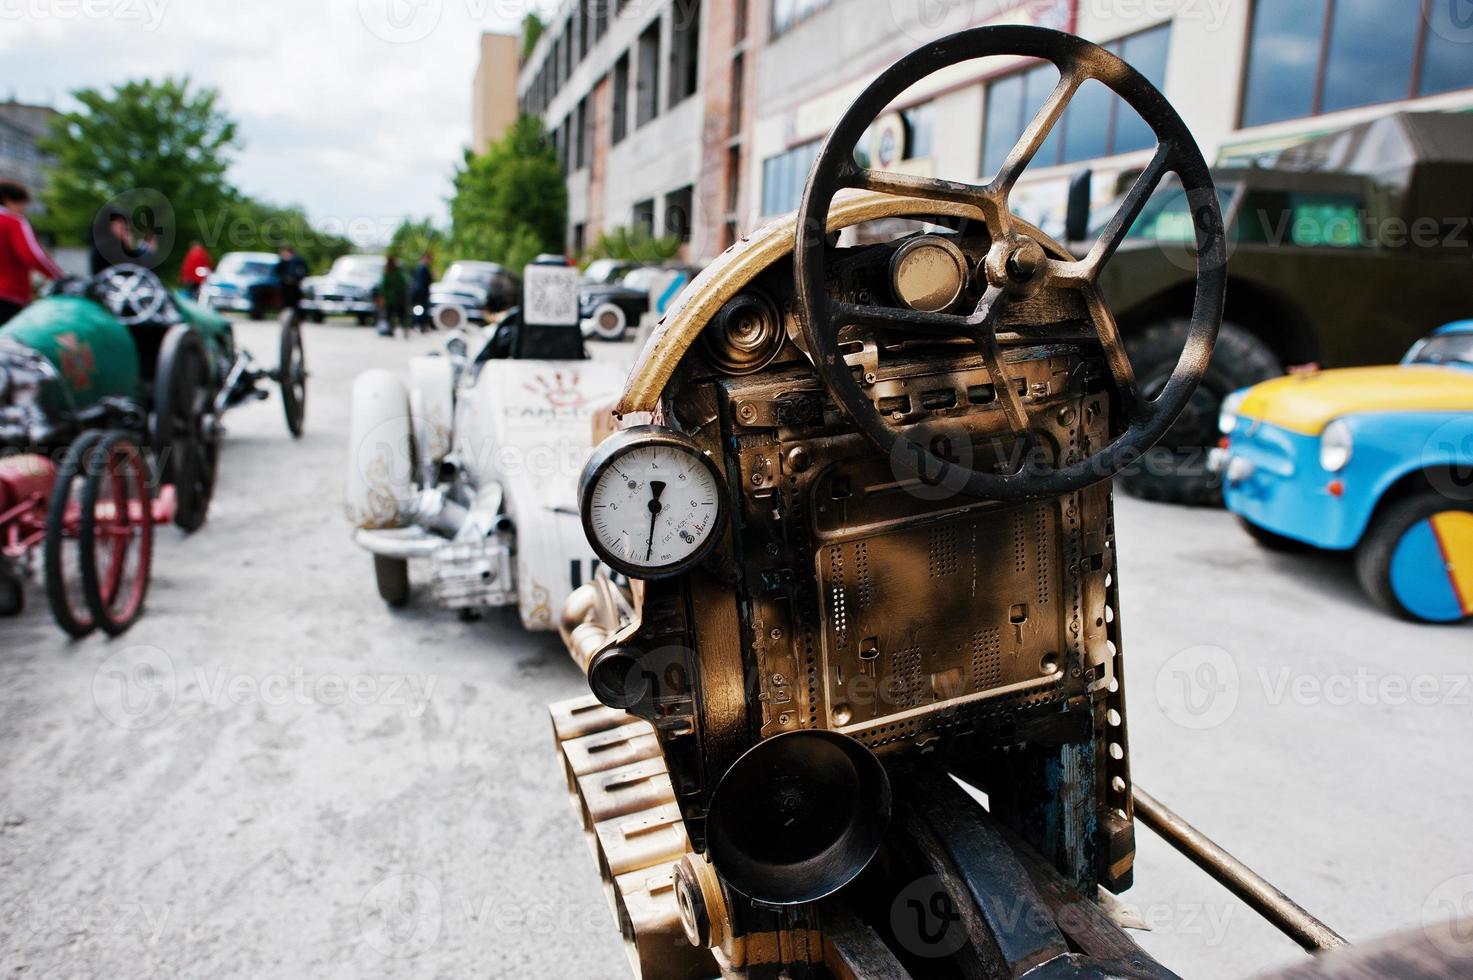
<point x="65" y="590"/>
<point x="116" y="534"/>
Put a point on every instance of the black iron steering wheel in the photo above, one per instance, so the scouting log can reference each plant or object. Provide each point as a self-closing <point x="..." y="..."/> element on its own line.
<point x="1016" y="265"/>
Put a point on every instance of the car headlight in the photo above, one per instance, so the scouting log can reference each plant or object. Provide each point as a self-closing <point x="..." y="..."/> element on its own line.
<point x="1227" y="418"/>
<point x="1336" y="444"/>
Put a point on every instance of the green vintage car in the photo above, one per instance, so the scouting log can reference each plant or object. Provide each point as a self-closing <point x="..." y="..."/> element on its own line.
<point x="120" y="351"/>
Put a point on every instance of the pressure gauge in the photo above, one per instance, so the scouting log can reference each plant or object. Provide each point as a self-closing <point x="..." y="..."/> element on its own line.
<point x="653" y="502"/>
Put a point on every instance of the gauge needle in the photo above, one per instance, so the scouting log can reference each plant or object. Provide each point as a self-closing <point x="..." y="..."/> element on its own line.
<point x="656" y="488"/>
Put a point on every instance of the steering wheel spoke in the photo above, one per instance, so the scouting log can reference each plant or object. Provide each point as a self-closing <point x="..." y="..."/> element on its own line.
<point x="982" y="331"/>
<point x="1130" y="209"/>
<point x="939" y="325"/>
<point x="1039" y="128"/>
<point x="907" y="185"/>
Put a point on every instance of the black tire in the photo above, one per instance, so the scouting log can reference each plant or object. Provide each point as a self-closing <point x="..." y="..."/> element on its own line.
<point x="364" y="321"/>
<point x="291" y="373"/>
<point x="392" y="577"/>
<point x="184" y="435"/>
<point x="1271" y="540"/>
<point x="119" y="472"/>
<point x="65" y="591"/>
<point x="1374" y="556"/>
<point x="1175" y="470"/>
<point x="318" y="317"/>
<point x="12" y="591"/>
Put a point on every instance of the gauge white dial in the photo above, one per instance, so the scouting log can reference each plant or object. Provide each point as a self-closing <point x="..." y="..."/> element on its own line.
<point x="653" y="506"/>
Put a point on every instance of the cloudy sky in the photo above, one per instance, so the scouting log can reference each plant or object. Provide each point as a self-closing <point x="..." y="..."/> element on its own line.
<point x="355" y="109"/>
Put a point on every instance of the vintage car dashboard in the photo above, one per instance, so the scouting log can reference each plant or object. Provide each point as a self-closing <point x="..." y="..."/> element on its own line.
<point x="844" y="595"/>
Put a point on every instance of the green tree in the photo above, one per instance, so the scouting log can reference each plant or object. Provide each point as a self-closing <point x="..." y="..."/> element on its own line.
<point x="414" y="238"/>
<point x="532" y="28"/>
<point x="510" y="203"/>
<point x="157" y="151"/>
<point x="632" y="243"/>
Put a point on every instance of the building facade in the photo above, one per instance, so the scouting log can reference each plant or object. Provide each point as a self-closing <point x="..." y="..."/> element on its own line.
<point x="21" y="126"/>
<point x="700" y="118"/>
<point x="493" y="100"/>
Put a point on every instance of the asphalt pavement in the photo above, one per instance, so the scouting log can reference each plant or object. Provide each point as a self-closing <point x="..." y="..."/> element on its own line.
<point x="272" y="775"/>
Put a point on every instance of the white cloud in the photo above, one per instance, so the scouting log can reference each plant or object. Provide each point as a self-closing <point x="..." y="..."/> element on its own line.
<point x="351" y="108"/>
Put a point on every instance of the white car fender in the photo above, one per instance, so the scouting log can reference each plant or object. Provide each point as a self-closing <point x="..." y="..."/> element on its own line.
<point x="529" y="426"/>
<point x="432" y="408"/>
<point x="380" y="469"/>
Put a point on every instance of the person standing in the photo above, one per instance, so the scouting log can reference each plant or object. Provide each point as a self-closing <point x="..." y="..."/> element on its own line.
<point x="419" y="292"/>
<point x="112" y="244"/>
<point x="393" y="293"/>
<point x="196" y="269"/>
<point x="291" y="269"/>
<point x="20" y="253"/>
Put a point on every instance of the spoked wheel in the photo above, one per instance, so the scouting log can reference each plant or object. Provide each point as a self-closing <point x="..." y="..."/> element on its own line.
<point x="184" y="433"/>
<point x="65" y="590"/>
<point x="116" y="533"/>
<point x="291" y="372"/>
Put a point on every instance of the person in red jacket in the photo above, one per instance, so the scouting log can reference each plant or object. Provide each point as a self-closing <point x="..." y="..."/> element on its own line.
<point x="196" y="269"/>
<point x="20" y="253"/>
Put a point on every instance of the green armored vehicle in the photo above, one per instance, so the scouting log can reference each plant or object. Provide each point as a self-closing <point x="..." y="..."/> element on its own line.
<point x="1342" y="252"/>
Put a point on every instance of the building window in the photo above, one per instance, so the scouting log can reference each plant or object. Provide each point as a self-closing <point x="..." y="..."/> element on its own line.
<point x="600" y="14"/>
<point x="783" y="177"/>
<point x="740" y="17"/>
<point x="644" y="217"/>
<point x="647" y="84"/>
<point x="580" y="235"/>
<point x="568" y="58"/>
<point x="685" y="50"/>
<point x="679" y="214"/>
<point x="1326" y="55"/>
<point x="787" y="14"/>
<point x="1096" y="124"/>
<point x="620" y="98"/>
<point x="738" y="90"/>
<point x="733" y="178"/>
<point x="584" y="34"/>
<point x="580" y="135"/>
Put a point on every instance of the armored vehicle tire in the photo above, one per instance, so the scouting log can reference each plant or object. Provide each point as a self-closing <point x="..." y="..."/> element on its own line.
<point x="184" y="434"/>
<point x="392" y="577"/>
<point x="1175" y="471"/>
<point x="291" y="373"/>
<point x="1414" y="558"/>
<point x="1271" y="540"/>
<point x="61" y="553"/>
<point x="116" y="533"/>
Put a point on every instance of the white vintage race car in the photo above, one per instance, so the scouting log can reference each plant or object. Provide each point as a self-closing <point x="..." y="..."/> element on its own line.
<point x="472" y="468"/>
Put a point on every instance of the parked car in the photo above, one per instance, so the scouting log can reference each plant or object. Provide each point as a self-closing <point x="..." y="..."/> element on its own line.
<point x="1352" y="208"/>
<point x="476" y="288"/>
<point x="607" y="272"/>
<point x="1375" y="460"/>
<point x="470" y="469"/>
<point x="244" y="282"/>
<point x="350" y="288"/>
<point x="607" y="311"/>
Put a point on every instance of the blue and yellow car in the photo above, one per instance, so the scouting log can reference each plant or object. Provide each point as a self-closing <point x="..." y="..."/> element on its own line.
<point x="1376" y="460"/>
